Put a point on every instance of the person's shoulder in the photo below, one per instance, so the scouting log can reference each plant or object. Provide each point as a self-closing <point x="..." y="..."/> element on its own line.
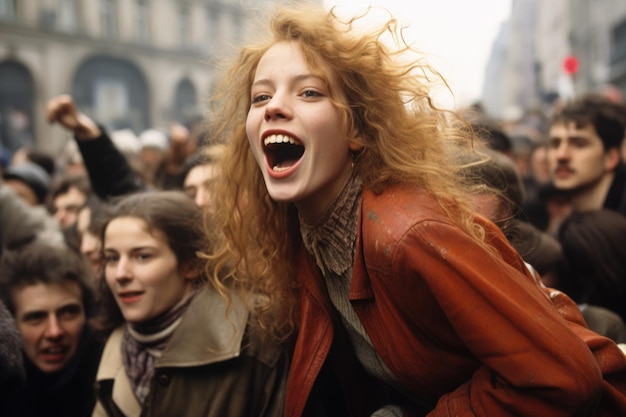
<point x="399" y="214"/>
<point x="402" y="199"/>
<point x="399" y="208"/>
<point x="262" y="347"/>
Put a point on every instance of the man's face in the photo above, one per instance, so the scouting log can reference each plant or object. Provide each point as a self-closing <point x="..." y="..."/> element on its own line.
<point x="577" y="157"/>
<point x="51" y="320"/>
<point x="151" y="157"/>
<point x="198" y="181"/>
<point x="66" y="206"/>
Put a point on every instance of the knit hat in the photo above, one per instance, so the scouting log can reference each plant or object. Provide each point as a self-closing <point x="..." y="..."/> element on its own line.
<point x="32" y="175"/>
<point x="126" y="141"/>
<point x="153" y="138"/>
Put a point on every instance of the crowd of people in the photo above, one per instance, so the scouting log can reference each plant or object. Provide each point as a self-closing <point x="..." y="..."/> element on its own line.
<point x="331" y="243"/>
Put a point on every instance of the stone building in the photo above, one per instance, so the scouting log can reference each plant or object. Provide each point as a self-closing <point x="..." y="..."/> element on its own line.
<point x="594" y="32"/>
<point x="598" y="40"/>
<point x="128" y="63"/>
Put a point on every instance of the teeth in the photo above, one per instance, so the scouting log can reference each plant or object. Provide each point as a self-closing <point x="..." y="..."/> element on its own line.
<point x="279" y="169"/>
<point x="279" y="139"/>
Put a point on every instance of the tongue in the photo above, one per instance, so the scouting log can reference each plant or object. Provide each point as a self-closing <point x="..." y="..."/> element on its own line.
<point x="282" y="165"/>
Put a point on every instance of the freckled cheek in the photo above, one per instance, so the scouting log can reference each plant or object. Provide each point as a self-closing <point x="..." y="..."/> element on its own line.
<point x="253" y="141"/>
<point x="253" y="122"/>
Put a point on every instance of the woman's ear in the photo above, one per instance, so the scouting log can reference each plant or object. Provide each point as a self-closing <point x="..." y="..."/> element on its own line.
<point x="355" y="146"/>
<point x="191" y="272"/>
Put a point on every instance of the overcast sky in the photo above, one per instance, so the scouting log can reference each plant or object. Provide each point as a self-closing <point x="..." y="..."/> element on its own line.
<point x="456" y="34"/>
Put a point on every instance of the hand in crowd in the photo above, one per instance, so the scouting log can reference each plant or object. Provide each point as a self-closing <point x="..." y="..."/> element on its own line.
<point x="181" y="146"/>
<point x="63" y="110"/>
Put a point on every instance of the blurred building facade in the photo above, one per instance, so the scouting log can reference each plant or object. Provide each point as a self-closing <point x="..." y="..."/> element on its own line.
<point x="534" y="43"/>
<point x="128" y="63"/>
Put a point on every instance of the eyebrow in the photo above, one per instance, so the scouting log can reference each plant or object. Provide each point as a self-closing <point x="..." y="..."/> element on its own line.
<point x="297" y="78"/>
<point x="575" y="137"/>
<point x="133" y="249"/>
<point x="37" y="314"/>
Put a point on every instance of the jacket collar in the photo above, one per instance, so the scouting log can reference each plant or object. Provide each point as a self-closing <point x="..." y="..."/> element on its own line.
<point x="361" y="287"/>
<point x="377" y="225"/>
<point x="111" y="367"/>
<point x="224" y="329"/>
<point x="189" y="346"/>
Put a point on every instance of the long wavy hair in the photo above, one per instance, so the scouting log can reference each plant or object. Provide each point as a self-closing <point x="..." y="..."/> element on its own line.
<point x="404" y="136"/>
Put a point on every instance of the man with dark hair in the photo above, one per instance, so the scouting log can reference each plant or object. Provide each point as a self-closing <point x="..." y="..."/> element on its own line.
<point x="584" y="153"/>
<point x="67" y="196"/>
<point x="48" y="291"/>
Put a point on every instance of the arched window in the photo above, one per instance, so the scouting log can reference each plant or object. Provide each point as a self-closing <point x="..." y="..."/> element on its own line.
<point x="16" y="105"/>
<point x="185" y="101"/>
<point x="114" y="92"/>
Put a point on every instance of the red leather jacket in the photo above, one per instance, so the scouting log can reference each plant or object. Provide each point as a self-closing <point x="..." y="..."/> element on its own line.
<point x="462" y="328"/>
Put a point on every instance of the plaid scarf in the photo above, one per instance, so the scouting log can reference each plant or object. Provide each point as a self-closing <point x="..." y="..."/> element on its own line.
<point x="143" y="343"/>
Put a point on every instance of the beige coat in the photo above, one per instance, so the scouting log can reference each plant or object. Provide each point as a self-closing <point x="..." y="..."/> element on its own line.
<point x="213" y="366"/>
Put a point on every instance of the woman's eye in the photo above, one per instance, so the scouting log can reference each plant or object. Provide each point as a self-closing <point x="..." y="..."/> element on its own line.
<point x="311" y="93"/>
<point x="144" y="256"/>
<point x="109" y="259"/>
<point x="260" y="98"/>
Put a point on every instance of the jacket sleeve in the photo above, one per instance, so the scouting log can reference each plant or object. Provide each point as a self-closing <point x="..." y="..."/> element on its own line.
<point x="608" y="355"/>
<point x="109" y="171"/>
<point x="530" y="363"/>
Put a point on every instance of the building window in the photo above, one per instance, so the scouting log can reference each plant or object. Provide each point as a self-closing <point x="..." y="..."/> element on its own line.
<point x="7" y="9"/>
<point x="183" y="26"/>
<point x="107" y="18"/>
<point x="185" y="101"/>
<point x="111" y="99"/>
<point x="67" y="15"/>
<point x="618" y="43"/>
<point x="141" y="21"/>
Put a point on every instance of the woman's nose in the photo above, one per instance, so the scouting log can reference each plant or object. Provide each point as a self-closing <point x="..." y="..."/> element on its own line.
<point x="122" y="270"/>
<point x="277" y="108"/>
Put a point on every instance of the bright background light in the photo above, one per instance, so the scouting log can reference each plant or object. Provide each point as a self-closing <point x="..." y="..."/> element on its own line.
<point x="455" y="35"/>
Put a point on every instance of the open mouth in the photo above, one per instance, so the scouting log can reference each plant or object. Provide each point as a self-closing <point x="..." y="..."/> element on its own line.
<point x="130" y="296"/>
<point x="282" y="151"/>
<point x="54" y="354"/>
<point x="55" y="350"/>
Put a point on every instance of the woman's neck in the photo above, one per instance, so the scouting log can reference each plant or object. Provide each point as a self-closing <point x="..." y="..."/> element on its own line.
<point x="163" y="322"/>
